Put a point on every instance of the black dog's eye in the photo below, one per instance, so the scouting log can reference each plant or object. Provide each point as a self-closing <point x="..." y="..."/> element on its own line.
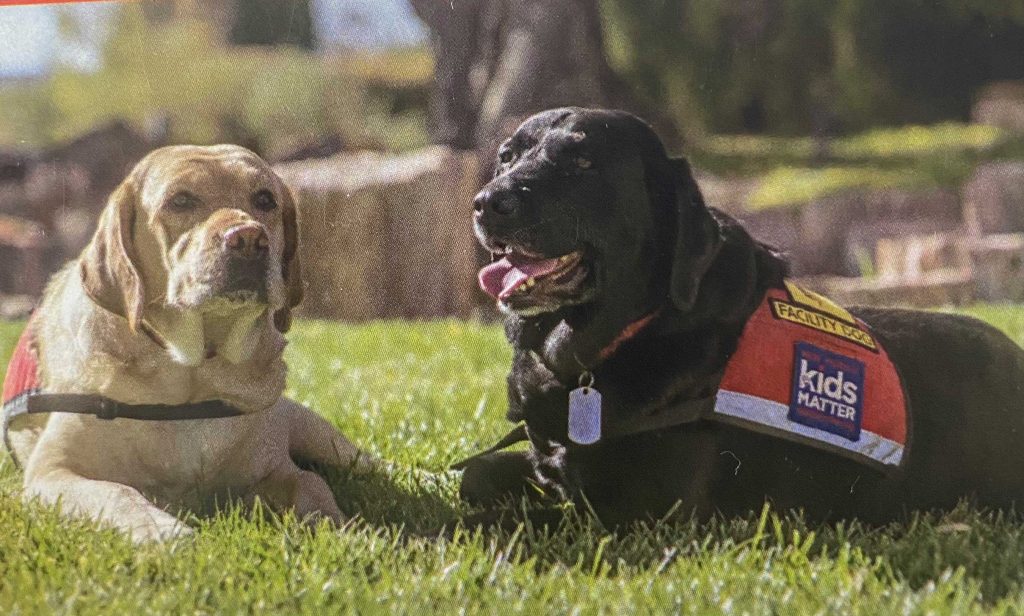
<point x="264" y="201"/>
<point x="183" y="200"/>
<point x="583" y="162"/>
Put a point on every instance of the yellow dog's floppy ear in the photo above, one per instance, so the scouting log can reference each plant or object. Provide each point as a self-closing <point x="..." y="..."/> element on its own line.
<point x="291" y="268"/>
<point x="107" y="265"/>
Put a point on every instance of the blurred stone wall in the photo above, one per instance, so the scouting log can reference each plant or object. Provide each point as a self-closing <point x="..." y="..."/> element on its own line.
<point x="834" y="234"/>
<point x="381" y="235"/>
<point x="911" y="247"/>
<point x="387" y="236"/>
<point x="1001" y="104"/>
<point x="390" y="235"/>
<point x="50" y="201"/>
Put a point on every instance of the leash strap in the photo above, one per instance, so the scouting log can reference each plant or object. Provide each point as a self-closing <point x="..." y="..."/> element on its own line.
<point x="517" y="435"/>
<point x="688" y="411"/>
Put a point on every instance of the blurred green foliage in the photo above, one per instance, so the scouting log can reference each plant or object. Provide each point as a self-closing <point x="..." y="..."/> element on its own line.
<point x="794" y="186"/>
<point x="792" y="171"/>
<point x="801" y="66"/>
<point x="915" y="141"/>
<point x="906" y="142"/>
<point x="721" y="69"/>
<point x="179" y="70"/>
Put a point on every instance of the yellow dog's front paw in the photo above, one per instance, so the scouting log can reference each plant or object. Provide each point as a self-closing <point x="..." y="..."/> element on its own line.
<point x="160" y="531"/>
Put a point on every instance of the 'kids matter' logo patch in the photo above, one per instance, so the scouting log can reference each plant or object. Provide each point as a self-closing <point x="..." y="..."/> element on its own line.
<point x="828" y="391"/>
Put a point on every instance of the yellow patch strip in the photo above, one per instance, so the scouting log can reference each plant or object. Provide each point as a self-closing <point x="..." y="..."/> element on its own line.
<point x="818" y="302"/>
<point x="823" y="323"/>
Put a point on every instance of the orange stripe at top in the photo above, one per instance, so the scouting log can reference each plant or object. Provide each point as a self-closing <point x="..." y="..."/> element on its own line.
<point x="30" y="2"/>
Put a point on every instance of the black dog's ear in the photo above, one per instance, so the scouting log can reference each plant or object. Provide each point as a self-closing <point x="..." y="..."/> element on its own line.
<point x="698" y="237"/>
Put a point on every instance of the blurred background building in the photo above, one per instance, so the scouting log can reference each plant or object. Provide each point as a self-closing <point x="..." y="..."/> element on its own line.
<point x="880" y="143"/>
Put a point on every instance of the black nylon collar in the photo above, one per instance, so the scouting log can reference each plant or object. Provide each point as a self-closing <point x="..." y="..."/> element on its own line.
<point x="35" y="403"/>
<point x="106" y="408"/>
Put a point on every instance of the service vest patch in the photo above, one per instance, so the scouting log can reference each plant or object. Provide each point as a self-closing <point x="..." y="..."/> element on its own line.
<point x="807" y="370"/>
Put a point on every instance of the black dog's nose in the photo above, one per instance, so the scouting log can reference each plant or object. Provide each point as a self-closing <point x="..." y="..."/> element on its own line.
<point x="500" y="201"/>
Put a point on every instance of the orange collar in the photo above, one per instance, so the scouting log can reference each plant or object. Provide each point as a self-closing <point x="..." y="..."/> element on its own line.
<point x="628" y="332"/>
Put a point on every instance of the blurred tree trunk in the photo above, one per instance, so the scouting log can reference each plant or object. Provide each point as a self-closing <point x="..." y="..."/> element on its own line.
<point x="499" y="61"/>
<point x="272" y="22"/>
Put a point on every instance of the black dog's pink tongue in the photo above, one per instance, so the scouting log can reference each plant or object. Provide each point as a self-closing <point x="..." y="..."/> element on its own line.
<point x="491" y="277"/>
<point x="501" y="278"/>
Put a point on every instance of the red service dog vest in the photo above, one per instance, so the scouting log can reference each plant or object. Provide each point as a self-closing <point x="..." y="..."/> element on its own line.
<point x="22" y="378"/>
<point x="807" y="370"/>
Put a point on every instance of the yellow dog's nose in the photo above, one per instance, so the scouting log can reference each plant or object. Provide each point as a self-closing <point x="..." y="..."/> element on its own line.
<point x="247" y="241"/>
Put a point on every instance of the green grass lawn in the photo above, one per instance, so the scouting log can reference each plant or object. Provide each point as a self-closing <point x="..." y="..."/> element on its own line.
<point x="424" y="395"/>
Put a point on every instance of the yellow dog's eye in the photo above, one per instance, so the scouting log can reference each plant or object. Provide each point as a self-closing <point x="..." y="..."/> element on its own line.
<point x="264" y="201"/>
<point x="184" y="201"/>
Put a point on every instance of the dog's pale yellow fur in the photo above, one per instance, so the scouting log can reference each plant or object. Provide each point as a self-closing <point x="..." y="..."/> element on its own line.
<point x="153" y="265"/>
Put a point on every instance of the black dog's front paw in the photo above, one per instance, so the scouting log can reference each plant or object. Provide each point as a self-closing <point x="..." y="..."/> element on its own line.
<point x="496" y="477"/>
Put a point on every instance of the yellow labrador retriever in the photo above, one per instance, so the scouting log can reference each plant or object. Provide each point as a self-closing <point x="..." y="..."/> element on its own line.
<point x="160" y="348"/>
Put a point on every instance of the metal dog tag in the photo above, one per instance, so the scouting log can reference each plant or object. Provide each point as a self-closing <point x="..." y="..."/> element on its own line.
<point x="585" y="415"/>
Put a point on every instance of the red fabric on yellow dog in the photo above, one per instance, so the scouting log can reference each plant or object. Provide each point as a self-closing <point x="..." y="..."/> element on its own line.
<point x="22" y="378"/>
<point x="805" y="369"/>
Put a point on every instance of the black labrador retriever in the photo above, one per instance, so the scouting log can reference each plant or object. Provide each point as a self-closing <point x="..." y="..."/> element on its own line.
<point x="611" y="270"/>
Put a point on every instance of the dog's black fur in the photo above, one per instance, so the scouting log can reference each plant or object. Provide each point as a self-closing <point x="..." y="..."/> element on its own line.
<point x="600" y="182"/>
